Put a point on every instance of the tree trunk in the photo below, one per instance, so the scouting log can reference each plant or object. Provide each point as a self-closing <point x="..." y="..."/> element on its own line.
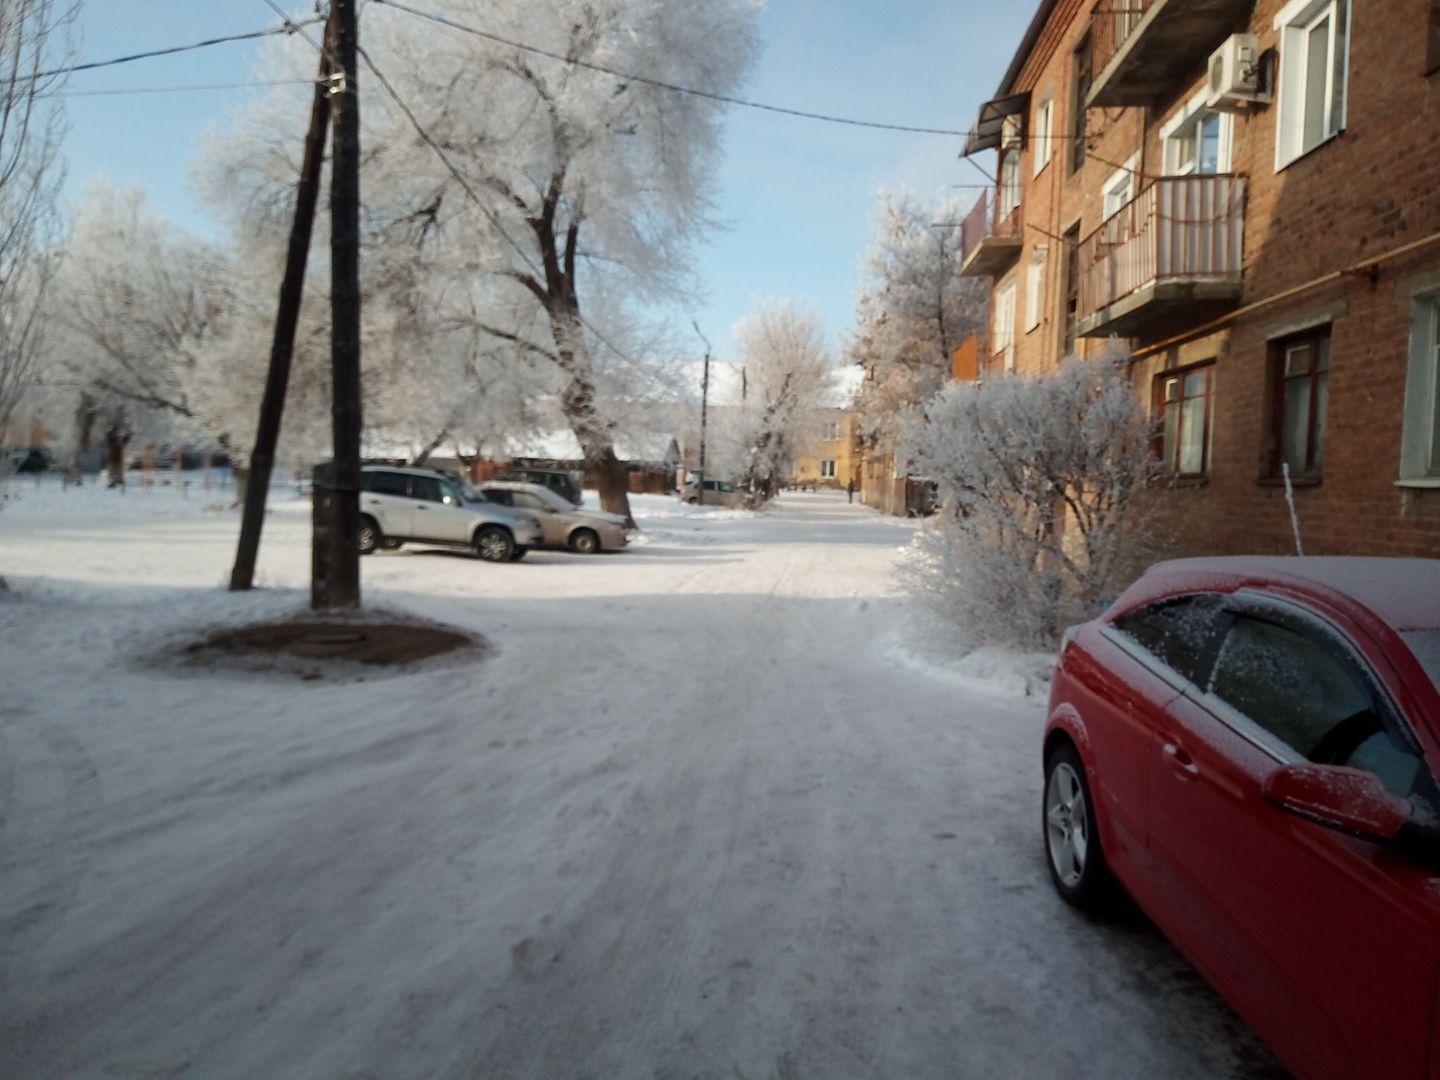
<point x="117" y="438"/>
<point x="86" y="413"/>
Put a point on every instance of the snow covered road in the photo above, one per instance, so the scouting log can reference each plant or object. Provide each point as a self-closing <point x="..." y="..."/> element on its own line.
<point x="701" y="814"/>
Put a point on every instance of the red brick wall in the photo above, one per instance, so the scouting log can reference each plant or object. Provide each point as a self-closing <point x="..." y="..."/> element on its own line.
<point x="1370" y="190"/>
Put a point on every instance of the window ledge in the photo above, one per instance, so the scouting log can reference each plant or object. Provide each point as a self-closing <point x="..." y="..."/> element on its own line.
<point x="1419" y="482"/>
<point x="1281" y="166"/>
<point x="1295" y="481"/>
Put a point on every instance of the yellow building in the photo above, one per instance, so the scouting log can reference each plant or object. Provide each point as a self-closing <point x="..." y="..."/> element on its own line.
<point x="828" y="455"/>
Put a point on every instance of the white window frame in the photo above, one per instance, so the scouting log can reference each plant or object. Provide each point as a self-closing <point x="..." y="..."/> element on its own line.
<point x="832" y="430"/>
<point x="1186" y="117"/>
<point x="1044" y="117"/>
<point x="1034" y="290"/>
<point x="827" y="468"/>
<point x="1004" y="326"/>
<point x="1294" y="23"/>
<point x="1419" y="452"/>
<point x="1121" y="180"/>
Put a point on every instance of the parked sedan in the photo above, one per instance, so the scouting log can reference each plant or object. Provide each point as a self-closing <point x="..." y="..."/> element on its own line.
<point x="564" y="525"/>
<point x="1250" y="746"/>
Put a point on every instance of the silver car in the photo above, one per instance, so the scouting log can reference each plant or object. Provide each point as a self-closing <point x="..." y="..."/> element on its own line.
<point x="565" y="525"/>
<point x="399" y="505"/>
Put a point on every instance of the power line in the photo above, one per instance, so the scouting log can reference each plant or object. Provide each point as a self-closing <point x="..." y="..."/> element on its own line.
<point x="289" y="27"/>
<point x="173" y="89"/>
<point x="629" y="76"/>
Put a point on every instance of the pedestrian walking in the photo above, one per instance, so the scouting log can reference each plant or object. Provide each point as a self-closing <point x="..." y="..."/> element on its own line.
<point x="850" y="491"/>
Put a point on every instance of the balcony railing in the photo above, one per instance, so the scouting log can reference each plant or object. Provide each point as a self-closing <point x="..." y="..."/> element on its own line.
<point x="1171" y="252"/>
<point x="1110" y="25"/>
<point x="1142" y="50"/>
<point x="992" y="239"/>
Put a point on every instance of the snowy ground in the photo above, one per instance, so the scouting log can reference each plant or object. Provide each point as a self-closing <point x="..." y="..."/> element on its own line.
<point x="701" y="815"/>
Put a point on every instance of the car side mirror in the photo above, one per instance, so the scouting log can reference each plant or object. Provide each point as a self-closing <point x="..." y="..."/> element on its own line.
<point x="1348" y="800"/>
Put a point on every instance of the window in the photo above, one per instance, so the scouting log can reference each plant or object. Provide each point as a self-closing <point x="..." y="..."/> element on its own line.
<point x="1009" y="182"/>
<point x="832" y="429"/>
<point x="1044" y="114"/>
<point x="1179" y="633"/>
<point x="426" y="488"/>
<point x="503" y="496"/>
<point x="827" y="468"/>
<point x="1079" y="91"/>
<point x="1072" y="287"/>
<point x="1420" y="442"/>
<point x="384" y="483"/>
<point x="1034" y="291"/>
<point x="1300" y="390"/>
<point x="526" y="500"/>
<point x="1004" y="333"/>
<point x="1197" y="140"/>
<point x="1119" y="189"/>
<point x="1303" y="690"/>
<point x="1183" y="408"/>
<point x="1314" y="62"/>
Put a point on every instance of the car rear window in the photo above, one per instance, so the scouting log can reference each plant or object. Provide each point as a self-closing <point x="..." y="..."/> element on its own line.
<point x="1177" y="631"/>
<point x="383" y="483"/>
<point x="1425" y="644"/>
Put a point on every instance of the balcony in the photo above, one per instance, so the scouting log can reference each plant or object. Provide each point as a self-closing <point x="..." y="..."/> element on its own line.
<point x="998" y="244"/>
<point x="1142" y="49"/>
<point x="1169" y="259"/>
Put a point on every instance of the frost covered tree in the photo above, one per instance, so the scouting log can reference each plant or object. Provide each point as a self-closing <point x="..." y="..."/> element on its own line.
<point x="576" y="195"/>
<point x="788" y="371"/>
<point x="1039" y="479"/>
<point x="35" y="37"/>
<point x="135" y="303"/>
<point x="914" y="308"/>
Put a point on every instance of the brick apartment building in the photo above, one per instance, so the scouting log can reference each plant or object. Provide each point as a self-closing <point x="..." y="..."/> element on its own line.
<point x="1246" y="193"/>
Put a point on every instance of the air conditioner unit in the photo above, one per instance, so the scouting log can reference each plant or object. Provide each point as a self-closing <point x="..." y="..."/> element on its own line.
<point x="1235" y="76"/>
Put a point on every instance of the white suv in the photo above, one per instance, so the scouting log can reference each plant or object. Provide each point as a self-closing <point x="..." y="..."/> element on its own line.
<point x="398" y="505"/>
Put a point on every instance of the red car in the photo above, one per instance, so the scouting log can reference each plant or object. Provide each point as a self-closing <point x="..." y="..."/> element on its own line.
<point x="1250" y="747"/>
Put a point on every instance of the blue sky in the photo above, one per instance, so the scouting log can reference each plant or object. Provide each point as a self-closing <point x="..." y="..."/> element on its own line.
<point x="796" y="195"/>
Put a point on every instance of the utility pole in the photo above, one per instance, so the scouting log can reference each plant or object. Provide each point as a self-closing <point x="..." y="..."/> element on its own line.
<point x="287" y="315"/>
<point x="704" y="408"/>
<point x="341" y="584"/>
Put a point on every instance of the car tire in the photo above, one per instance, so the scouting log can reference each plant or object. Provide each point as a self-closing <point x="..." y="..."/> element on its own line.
<point x="520" y="553"/>
<point x="584" y="542"/>
<point x="370" y="535"/>
<point x="494" y="544"/>
<point x="1072" y="842"/>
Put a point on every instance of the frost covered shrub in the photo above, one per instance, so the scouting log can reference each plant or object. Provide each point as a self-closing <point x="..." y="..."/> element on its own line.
<point x="1039" y="480"/>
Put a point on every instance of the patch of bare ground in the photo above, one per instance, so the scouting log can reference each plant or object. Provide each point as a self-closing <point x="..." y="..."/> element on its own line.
<point x="317" y="649"/>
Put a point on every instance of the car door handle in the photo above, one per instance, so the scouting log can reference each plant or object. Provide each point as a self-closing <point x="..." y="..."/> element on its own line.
<point x="374" y="502"/>
<point x="422" y="507"/>
<point x="1180" y="760"/>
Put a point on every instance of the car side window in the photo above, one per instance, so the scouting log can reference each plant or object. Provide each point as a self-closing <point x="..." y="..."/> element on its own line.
<point x="498" y="495"/>
<point x="529" y="502"/>
<point x="426" y="488"/>
<point x="383" y="483"/>
<point x="1179" y="632"/>
<point x="448" y="495"/>
<point x="1318" y="702"/>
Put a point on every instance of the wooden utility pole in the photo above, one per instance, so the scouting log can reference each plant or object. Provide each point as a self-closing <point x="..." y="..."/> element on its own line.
<point x="341" y="585"/>
<point x="287" y="316"/>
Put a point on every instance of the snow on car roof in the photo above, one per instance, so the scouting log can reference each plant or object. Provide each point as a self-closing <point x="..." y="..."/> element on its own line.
<point x="1404" y="593"/>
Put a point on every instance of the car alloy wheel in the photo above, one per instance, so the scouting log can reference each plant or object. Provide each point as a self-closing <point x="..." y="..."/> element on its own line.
<point x="585" y="542"/>
<point x="369" y="536"/>
<point x="1067" y="825"/>
<point x="493" y="544"/>
<point x="1072" y="843"/>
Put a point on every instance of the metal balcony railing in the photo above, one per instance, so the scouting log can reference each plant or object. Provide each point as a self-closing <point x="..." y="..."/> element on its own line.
<point x="1110" y="24"/>
<point x="1180" y="228"/>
